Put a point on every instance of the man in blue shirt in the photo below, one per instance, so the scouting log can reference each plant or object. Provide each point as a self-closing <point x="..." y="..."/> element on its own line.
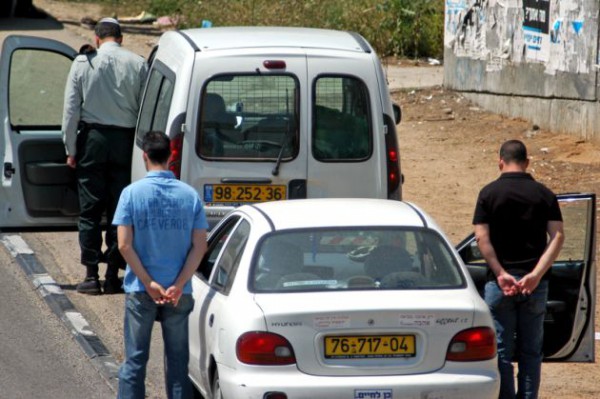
<point x="161" y="230"/>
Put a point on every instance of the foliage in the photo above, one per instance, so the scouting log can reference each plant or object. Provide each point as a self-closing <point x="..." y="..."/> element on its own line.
<point x="409" y="28"/>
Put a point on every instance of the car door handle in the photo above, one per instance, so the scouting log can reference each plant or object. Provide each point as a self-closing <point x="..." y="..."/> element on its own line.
<point x="211" y="320"/>
<point x="8" y="170"/>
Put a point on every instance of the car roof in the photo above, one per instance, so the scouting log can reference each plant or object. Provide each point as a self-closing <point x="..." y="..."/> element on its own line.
<point x="224" y="38"/>
<point x="346" y="212"/>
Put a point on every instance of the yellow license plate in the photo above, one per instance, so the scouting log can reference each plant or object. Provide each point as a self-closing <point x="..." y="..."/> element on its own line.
<point x="243" y="192"/>
<point x="369" y="346"/>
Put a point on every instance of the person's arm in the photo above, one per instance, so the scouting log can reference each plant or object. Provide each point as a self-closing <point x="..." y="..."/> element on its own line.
<point x="506" y="282"/>
<point x="71" y="114"/>
<point x="193" y="259"/>
<point x="125" y="242"/>
<point x="530" y="281"/>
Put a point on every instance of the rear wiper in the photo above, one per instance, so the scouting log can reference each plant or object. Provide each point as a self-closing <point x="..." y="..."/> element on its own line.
<point x="275" y="170"/>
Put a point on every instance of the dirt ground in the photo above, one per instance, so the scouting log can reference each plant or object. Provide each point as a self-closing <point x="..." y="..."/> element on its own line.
<point x="449" y="151"/>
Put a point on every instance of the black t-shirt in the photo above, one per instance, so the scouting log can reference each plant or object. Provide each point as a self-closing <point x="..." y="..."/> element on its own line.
<point x="517" y="209"/>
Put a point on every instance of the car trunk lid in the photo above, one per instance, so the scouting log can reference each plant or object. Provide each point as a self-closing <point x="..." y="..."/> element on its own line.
<point x="366" y="332"/>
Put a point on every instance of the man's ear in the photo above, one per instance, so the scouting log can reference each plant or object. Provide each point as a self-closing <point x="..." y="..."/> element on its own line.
<point x="119" y="40"/>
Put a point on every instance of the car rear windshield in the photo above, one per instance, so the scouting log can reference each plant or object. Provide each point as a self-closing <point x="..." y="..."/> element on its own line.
<point x="354" y="259"/>
<point x="249" y="118"/>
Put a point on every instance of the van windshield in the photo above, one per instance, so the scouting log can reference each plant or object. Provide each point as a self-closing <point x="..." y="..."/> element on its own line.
<point x="249" y="117"/>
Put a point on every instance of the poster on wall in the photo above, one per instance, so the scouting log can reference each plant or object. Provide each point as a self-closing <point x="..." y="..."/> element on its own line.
<point x="536" y="27"/>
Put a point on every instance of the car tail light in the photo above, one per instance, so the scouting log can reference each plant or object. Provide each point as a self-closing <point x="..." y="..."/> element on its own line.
<point x="264" y="348"/>
<point x="472" y="345"/>
<point x="175" y="158"/>
<point x="392" y="161"/>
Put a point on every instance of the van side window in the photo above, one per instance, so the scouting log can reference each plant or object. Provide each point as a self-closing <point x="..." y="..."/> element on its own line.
<point x="341" y="120"/>
<point x="34" y="86"/>
<point x="157" y="102"/>
<point x="249" y="118"/>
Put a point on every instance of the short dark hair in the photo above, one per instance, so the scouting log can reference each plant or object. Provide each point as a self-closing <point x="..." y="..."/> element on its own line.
<point x="107" y="28"/>
<point x="513" y="151"/>
<point x="157" y="146"/>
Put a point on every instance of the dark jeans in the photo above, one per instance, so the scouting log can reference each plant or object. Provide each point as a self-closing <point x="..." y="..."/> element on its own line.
<point x="519" y="324"/>
<point x="140" y="313"/>
<point x="103" y="171"/>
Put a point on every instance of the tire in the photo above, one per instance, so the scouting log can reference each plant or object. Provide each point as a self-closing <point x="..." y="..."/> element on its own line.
<point x="216" y="387"/>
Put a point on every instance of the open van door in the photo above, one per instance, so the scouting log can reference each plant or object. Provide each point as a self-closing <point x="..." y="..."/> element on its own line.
<point x="569" y="322"/>
<point x="38" y="189"/>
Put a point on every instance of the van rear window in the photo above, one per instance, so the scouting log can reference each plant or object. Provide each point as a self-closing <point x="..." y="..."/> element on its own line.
<point x="341" y="120"/>
<point x="249" y="118"/>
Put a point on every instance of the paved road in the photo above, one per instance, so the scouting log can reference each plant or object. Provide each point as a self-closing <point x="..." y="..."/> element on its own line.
<point x="39" y="356"/>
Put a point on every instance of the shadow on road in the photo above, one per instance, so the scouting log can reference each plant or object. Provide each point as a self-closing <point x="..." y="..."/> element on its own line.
<point x="47" y="23"/>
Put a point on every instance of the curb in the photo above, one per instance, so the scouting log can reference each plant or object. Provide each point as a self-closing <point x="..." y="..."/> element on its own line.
<point x="62" y="307"/>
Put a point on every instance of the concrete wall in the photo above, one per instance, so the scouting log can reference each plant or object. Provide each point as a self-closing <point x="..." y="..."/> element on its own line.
<point x="536" y="59"/>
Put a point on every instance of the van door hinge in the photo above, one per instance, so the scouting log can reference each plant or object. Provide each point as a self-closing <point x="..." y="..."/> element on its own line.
<point x="9" y="171"/>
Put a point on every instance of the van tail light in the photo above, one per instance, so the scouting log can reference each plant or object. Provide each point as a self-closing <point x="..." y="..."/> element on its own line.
<point x="472" y="345"/>
<point x="392" y="161"/>
<point x="265" y="349"/>
<point x="174" y="163"/>
<point x="274" y="64"/>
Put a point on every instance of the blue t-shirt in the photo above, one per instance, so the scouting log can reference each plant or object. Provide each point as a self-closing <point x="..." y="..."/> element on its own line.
<point x="163" y="212"/>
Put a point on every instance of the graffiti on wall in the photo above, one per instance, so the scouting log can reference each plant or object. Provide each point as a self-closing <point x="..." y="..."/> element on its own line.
<point x="560" y="34"/>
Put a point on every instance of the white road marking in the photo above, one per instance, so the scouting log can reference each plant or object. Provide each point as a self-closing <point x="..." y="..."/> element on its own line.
<point x="46" y="285"/>
<point x="79" y="323"/>
<point x="16" y="245"/>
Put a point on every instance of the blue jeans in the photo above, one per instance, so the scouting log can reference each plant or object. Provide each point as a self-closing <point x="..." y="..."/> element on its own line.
<point x="519" y="322"/>
<point x="140" y="313"/>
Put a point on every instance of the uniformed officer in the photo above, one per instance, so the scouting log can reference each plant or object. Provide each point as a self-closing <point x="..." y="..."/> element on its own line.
<point x="102" y="100"/>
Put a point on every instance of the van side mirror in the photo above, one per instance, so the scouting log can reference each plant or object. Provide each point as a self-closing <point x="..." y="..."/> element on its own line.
<point x="397" y="113"/>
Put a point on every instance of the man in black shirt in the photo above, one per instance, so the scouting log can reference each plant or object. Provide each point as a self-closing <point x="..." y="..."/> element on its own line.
<point x="519" y="230"/>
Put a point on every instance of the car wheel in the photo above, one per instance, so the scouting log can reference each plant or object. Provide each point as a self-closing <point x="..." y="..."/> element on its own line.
<point x="216" y="386"/>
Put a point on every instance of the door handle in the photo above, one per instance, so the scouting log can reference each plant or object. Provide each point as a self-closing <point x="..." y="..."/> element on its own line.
<point x="211" y="320"/>
<point x="9" y="171"/>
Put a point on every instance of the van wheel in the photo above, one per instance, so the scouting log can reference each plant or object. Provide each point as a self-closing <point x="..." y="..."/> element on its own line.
<point x="216" y="386"/>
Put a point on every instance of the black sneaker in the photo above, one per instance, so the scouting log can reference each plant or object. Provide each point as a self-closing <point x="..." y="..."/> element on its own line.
<point x="113" y="286"/>
<point x="89" y="286"/>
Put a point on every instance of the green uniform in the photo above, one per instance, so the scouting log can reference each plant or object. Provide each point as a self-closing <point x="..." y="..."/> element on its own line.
<point x="102" y="100"/>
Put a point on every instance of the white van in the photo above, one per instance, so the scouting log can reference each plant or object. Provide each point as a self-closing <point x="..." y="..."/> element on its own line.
<point x="254" y="114"/>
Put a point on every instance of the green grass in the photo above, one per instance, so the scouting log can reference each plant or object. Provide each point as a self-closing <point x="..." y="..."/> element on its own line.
<point x="405" y="28"/>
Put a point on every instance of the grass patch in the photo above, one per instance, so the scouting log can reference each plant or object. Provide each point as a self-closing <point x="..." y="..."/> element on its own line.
<point x="404" y="28"/>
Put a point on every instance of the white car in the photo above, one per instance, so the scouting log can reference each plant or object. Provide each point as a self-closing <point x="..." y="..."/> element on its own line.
<point x="338" y="298"/>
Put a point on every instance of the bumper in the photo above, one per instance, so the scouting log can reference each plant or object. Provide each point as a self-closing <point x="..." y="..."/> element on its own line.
<point x="451" y="382"/>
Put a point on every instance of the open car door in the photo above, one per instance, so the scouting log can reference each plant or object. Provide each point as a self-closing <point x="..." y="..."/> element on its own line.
<point x="569" y="322"/>
<point x="38" y="189"/>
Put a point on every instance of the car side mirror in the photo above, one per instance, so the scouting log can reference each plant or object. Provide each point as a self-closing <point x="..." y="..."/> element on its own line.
<point x="397" y="113"/>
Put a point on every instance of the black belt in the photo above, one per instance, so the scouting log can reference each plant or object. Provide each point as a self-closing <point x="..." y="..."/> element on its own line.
<point x="100" y="126"/>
